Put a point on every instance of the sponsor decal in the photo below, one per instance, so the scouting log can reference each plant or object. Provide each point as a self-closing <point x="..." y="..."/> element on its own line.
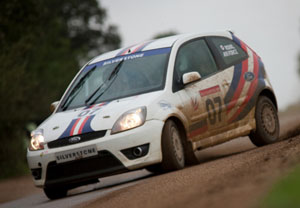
<point x="43" y="153"/>
<point x="119" y="59"/>
<point x="75" y="154"/>
<point x="195" y="103"/>
<point x="249" y="76"/>
<point x="228" y="50"/>
<point x="127" y="57"/>
<point x="209" y="91"/>
<point x="164" y="105"/>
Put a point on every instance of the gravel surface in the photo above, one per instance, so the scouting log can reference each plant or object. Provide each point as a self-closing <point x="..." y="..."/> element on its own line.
<point x="238" y="180"/>
<point x="234" y="174"/>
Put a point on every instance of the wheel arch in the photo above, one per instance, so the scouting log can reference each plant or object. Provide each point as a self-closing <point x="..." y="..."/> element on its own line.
<point x="270" y="94"/>
<point x="189" y="150"/>
<point x="180" y="125"/>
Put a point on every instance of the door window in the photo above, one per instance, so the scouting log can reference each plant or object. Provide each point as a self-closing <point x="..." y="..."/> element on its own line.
<point x="193" y="56"/>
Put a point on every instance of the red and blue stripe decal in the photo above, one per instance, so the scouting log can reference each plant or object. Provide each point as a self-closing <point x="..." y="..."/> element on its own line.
<point x="236" y="89"/>
<point x="198" y="128"/>
<point x="96" y="105"/>
<point x="82" y="124"/>
<point x="238" y="83"/>
<point x="124" y="51"/>
<point x="133" y="49"/>
<point x="255" y="88"/>
<point x="85" y="126"/>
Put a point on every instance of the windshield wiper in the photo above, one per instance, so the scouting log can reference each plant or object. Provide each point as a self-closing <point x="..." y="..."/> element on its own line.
<point x="68" y="101"/>
<point x="112" y="74"/>
<point x="103" y="91"/>
<point x="116" y="70"/>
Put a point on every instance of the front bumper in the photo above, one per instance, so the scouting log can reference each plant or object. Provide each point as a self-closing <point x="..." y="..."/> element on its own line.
<point x="111" y="158"/>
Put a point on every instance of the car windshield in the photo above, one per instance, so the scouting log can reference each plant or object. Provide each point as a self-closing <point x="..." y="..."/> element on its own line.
<point x="118" y="77"/>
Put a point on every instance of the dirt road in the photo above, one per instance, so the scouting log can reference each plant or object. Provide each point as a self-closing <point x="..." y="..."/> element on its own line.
<point x="234" y="174"/>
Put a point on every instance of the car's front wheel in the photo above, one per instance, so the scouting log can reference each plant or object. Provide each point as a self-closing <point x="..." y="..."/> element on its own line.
<point x="267" y="123"/>
<point x="172" y="148"/>
<point x="55" y="193"/>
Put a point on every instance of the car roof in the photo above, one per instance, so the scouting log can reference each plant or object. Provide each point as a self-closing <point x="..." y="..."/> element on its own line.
<point x="153" y="44"/>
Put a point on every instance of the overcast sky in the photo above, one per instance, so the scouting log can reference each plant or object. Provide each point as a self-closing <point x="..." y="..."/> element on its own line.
<point x="270" y="27"/>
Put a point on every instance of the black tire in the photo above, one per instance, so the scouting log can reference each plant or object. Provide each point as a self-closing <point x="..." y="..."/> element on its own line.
<point x="189" y="154"/>
<point x="172" y="148"/>
<point x="267" y="123"/>
<point x="156" y="169"/>
<point x="55" y="193"/>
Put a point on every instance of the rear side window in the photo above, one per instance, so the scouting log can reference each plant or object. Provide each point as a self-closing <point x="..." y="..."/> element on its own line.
<point x="228" y="50"/>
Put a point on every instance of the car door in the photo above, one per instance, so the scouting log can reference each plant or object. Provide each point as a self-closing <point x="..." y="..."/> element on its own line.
<point x="202" y="101"/>
<point x="238" y="69"/>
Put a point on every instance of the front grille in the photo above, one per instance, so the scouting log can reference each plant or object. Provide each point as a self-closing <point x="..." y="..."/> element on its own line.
<point x="83" y="138"/>
<point x="104" y="164"/>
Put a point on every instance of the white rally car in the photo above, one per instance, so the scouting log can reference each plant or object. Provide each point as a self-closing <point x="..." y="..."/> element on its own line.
<point x="152" y="105"/>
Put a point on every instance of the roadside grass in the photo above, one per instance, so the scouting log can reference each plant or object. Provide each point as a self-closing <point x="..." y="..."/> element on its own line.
<point x="285" y="193"/>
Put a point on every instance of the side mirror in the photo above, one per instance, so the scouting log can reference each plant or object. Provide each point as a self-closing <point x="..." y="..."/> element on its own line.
<point x="190" y="77"/>
<point x="53" y="106"/>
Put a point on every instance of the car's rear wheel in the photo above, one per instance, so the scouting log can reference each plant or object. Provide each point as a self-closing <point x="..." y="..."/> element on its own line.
<point x="267" y="123"/>
<point x="56" y="193"/>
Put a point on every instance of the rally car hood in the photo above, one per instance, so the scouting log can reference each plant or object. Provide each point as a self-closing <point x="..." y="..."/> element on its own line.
<point x="97" y="117"/>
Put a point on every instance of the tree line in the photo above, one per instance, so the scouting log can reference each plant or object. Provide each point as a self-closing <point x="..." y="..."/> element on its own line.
<point x="43" y="44"/>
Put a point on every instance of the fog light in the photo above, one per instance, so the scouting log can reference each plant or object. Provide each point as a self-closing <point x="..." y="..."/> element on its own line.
<point x="36" y="173"/>
<point x="136" y="152"/>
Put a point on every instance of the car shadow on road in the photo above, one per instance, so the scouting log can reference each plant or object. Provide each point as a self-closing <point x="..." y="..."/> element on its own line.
<point x="112" y="182"/>
<point x="227" y="149"/>
<point x="217" y="157"/>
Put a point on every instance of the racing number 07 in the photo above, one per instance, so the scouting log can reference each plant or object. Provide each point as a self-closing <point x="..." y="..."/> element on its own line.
<point x="213" y="115"/>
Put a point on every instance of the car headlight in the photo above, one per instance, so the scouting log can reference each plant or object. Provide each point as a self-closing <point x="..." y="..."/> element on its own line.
<point x="129" y="120"/>
<point x="37" y="140"/>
